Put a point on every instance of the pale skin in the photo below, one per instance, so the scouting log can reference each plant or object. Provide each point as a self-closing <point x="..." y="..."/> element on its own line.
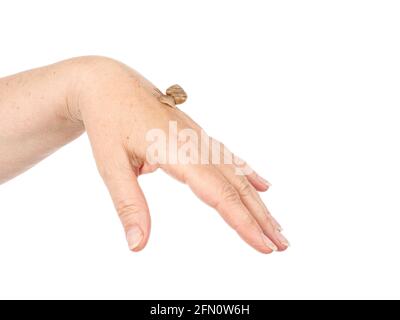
<point x="45" y="108"/>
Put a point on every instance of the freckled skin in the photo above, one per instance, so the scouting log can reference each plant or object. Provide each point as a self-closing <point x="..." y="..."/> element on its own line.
<point x="43" y="109"/>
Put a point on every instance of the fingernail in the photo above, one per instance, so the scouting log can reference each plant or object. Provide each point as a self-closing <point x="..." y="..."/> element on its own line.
<point x="282" y="239"/>
<point x="134" y="237"/>
<point x="269" y="243"/>
<point x="266" y="182"/>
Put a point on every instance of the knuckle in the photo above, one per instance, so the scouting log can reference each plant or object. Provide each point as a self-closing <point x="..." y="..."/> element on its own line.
<point x="128" y="210"/>
<point x="244" y="222"/>
<point x="244" y="187"/>
<point x="229" y="194"/>
<point x="239" y="161"/>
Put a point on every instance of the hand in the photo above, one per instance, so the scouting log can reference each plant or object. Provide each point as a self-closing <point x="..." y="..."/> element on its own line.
<point x="120" y="111"/>
<point x="119" y="108"/>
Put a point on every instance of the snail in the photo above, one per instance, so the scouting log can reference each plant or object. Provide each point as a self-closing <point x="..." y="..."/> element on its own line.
<point x="174" y="95"/>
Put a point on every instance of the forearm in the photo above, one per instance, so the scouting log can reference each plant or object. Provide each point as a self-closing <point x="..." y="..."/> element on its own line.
<point x="34" y="115"/>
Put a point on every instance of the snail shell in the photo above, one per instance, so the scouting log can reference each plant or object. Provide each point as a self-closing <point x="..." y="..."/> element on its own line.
<point x="177" y="93"/>
<point x="174" y="95"/>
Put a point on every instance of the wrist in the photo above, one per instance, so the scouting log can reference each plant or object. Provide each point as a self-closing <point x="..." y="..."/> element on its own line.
<point x="99" y="85"/>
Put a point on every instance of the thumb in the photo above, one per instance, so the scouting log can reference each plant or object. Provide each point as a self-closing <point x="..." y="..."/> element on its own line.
<point x="128" y="199"/>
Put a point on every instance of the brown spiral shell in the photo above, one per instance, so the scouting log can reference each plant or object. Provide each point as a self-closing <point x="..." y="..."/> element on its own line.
<point x="174" y="95"/>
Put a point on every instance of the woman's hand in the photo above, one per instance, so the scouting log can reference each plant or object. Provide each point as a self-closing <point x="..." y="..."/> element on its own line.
<point x="122" y="114"/>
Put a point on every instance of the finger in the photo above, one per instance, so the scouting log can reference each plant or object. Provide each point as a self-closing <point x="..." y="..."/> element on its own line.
<point x="239" y="184"/>
<point x="212" y="187"/>
<point x="258" y="182"/>
<point x="130" y="203"/>
<point x="255" y="205"/>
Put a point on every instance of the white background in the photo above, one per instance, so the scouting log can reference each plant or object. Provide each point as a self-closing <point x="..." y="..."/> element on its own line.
<point x="306" y="91"/>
